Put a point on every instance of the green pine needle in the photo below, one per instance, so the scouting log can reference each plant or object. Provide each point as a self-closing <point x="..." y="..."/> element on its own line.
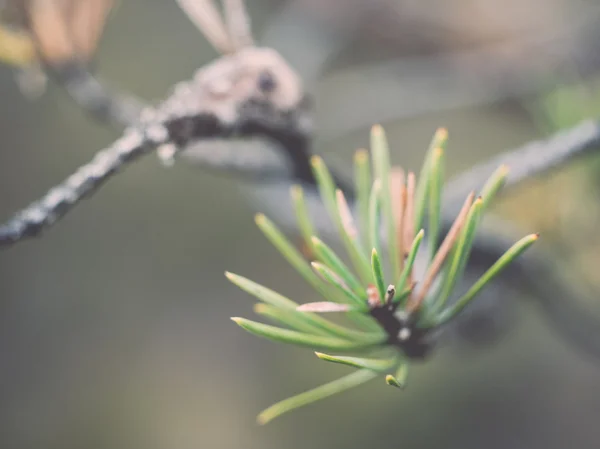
<point x="439" y="140"/>
<point x="273" y="298"/>
<point x="304" y="223"/>
<point x="401" y="285"/>
<point x="493" y="185"/>
<point x="358" y="292"/>
<point x="334" y="279"/>
<point x="381" y="161"/>
<point x="374" y="208"/>
<point x="362" y="176"/>
<point x="324" y="391"/>
<point x="327" y="190"/>
<point x="510" y="255"/>
<point x="378" y="276"/>
<point x="378" y="365"/>
<point x="399" y="380"/>
<point x="460" y="254"/>
<point x="304" y="339"/>
<point x="326" y="255"/>
<point x="291" y="318"/>
<point x="436" y="181"/>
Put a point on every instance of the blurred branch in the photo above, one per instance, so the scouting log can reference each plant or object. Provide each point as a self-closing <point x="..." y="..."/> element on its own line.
<point x="63" y="35"/>
<point x="530" y="160"/>
<point x="66" y="34"/>
<point x="312" y="35"/>
<point x="561" y="300"/>
<point x="401" y="88"/>
<point x="560" y="303"/>
<point x="94" y="96"/>
<point x="412" y="86"/>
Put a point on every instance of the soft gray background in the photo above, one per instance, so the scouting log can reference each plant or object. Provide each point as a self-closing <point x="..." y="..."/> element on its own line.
<point x="114" y="327"/>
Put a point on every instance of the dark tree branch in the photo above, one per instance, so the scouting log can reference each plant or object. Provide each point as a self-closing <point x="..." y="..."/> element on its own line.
<point x="59" y="200"/>
<point x="191" y="116"/>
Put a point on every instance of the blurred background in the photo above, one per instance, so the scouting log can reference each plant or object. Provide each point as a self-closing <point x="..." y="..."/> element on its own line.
<point x="114" y="327"/>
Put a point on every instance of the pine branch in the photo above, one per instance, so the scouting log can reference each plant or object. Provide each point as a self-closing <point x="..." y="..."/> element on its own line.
<point x="530" y="160"/>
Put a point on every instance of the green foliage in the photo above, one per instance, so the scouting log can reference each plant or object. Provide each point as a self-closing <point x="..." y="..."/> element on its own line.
<point x="386" y="324"/>
<point x="566" y="105"/>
